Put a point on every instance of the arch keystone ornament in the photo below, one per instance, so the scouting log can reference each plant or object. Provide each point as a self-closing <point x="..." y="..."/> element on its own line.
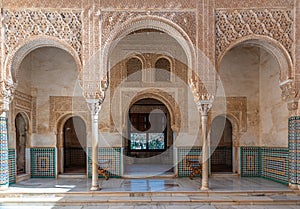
<point x="6" y="95"/>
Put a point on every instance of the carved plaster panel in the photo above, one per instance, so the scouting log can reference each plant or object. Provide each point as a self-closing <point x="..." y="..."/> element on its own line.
<point x="22" y="24"/>
<point x="116" y="19"/>
<point x="236" y="109"/>
<point x="150" y="4"/>
<point x="61" y="106"/>
<point x="42" y="4"/>
<point x="253" y="3"/>
<point x="232" y="25"/>
<point x="23" y="103"/>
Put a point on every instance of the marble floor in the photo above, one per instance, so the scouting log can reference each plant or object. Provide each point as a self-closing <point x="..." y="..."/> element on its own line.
<point x="149" y="170"/>
<point x="232" y="183"/>
<point x="229" y="192"/>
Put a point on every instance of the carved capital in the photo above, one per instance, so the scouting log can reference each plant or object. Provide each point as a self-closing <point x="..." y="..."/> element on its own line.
<point x="290" y="93"/>
<point x="293" y="107"/>
<point x="6" y="94"/>
<point x="94" y="106"/>
<point x="95" y="90"/>
<point x="201" y="91"/>
<point x="204" y="106"/>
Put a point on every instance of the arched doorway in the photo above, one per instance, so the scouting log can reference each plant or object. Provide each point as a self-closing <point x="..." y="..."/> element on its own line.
<point x="21" y="140"/>
<point x="149" y="140"/>
<point x="74" y="146"/>
<point x="221" y="145"/>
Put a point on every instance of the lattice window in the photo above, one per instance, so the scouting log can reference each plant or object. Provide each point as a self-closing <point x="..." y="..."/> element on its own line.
<point x="162" y="70"/>
<point x="134" y="69"/>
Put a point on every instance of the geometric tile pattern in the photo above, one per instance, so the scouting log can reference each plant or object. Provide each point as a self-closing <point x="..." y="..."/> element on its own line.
<point x="275" y="164"/>
<point x="250" y="161"/>
<point x="184" y="154"/>
<point x="4" y="173"/>
<point x="12" y="165"/>
<point x="294" y="150"/>
<point x="107" y="153"/>
<point x="43" y="162"/>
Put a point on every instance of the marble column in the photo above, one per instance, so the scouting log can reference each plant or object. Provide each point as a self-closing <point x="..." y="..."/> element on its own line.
<point x="4" y="172"/>
<point x="94" y="106"/>
<point x="204" y="107"/>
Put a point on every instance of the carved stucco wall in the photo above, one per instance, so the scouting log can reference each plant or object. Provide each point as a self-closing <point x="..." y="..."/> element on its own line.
<point x="24" y="104"/>
<point x="28" y="29"/>
<point x="236" y="25"/>
<point x="232" y="25"/>
<point x="61" y="106"/>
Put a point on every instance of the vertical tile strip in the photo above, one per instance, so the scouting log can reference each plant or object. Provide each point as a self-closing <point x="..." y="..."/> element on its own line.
<point x="12" y="165"/>
<point x="4" y="173"/>
<point x="294" y="150"/>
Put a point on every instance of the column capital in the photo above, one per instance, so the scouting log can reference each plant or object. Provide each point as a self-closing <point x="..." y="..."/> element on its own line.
<point x="290" y="94"/>
<point x="94" y="105"/>
<point x="289" y="90"/>
<point x="7" y="89"/>
<point x="205" y="104"/>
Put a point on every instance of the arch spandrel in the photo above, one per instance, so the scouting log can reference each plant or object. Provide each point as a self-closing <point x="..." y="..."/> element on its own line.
<point x="147" y="22"/>
<point x="15" y="58"/>
<point x="272" y="29"/>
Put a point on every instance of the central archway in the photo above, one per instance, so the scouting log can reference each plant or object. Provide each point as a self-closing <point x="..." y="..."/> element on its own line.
<point x="148" y="146"/>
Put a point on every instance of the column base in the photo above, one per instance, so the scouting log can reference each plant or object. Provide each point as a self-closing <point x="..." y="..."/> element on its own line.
<point x="95" y="188"/>
<point x="204" y="188"/>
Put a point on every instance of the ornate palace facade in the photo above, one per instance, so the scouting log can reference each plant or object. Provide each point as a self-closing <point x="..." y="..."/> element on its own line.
<point x="140" y="85"/>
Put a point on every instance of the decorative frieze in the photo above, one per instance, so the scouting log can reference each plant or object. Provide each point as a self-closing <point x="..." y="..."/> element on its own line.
<point x="114" y="21"/>
<point x="232" y="25"/>
<point x="65" y="105"/>
<point x="22" y="24"/>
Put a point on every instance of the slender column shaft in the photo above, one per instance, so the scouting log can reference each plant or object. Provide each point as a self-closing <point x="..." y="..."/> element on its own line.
<point x="95" y="107"/>
<point x="205" y="150"/>
<point x="95" y="185"/>
<point x="4" y="172"/>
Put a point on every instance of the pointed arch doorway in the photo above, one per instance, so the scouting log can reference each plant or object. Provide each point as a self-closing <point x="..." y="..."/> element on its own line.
<point x="74" y="146"/>
<point x="221" y="160"/>
<point x="148" y="146"/>
<point x="21" y="144"/>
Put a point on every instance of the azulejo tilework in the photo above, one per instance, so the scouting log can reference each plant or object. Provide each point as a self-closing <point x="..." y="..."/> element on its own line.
<point x="275" y="164"/>
<point x="12" y="165"/>
<point x="250" y="161"/>
<point x="184" y="154"/>
<point x="266" y="162"/>
<point x="43" y="162"/>
<point x="294" y="150"/>
<point x="107" y="153"/>
<point x="3" y="152"/>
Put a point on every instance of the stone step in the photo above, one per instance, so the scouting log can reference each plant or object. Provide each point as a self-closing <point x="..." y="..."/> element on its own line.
<point x="96" y="198"/>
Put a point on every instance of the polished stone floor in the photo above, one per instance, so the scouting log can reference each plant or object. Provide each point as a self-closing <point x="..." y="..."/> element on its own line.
<point x="146" y="185"/>
<point x="158" y="193"/>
